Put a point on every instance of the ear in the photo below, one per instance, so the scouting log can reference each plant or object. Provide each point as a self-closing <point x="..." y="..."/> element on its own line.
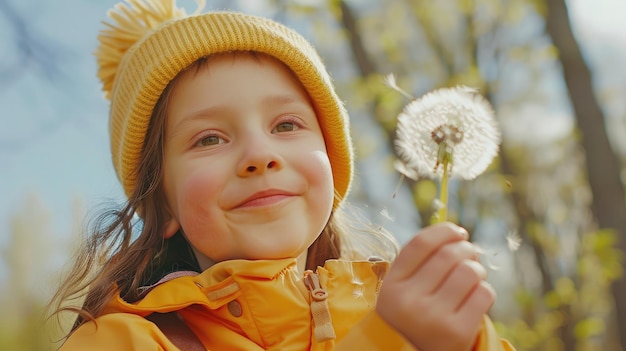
<point x="171" y="227"/>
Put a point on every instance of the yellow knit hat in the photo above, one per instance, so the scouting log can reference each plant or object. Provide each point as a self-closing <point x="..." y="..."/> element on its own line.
<point x="153" y="41"/>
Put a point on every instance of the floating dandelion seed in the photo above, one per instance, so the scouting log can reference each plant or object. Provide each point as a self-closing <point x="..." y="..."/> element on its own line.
<point x="449" y="132"/>
<point x="385" y="213"/>
<point x="489" y="256"/>
<point x="513" y="240"/>
<point x="438" y="205"/>
<point x="404" y="170"/>
<point x="390" y="80"/>
<point x="358" y="291"/>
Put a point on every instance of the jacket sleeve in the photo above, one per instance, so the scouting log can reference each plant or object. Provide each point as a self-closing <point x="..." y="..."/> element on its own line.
<point x="373" y="333"/>
<point x="489" y="340"/>
<point x="118" y="331"/>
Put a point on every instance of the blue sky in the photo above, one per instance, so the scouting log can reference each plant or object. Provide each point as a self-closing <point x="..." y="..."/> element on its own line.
<point x="54" y="137"/>
<point x="54" y="143"/>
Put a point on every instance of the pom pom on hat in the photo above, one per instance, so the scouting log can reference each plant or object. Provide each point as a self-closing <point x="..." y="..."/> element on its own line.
<point x="153" y="41"/>
<point x="134" y="21"/>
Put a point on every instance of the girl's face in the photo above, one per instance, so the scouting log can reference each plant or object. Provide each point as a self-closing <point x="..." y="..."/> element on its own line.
<point x="246" y="174"/>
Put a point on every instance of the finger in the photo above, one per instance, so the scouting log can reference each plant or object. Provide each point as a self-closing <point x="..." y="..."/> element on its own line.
<point x="458" y="285"/>
<point x="477" y="304"/>
<point x="441" y="264"/>
<point x="418" y="249"/>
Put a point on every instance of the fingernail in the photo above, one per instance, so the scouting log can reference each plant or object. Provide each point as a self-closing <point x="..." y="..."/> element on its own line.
<point x="464" y="233"/>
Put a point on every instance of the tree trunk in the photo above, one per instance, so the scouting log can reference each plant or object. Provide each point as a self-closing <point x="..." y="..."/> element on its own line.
<point x="402" y="203"/>
<point x="602" y="164"/>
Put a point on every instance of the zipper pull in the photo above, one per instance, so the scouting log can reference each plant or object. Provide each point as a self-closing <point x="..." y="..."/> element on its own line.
<point x="323" y="326"/>
<point x="379" y="267"/>
<point x="312" y="282"/>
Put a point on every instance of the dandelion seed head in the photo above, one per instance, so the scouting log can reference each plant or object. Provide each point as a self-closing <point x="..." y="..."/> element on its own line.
<point x="447" y="133"/>
<point x="458" y="116"/>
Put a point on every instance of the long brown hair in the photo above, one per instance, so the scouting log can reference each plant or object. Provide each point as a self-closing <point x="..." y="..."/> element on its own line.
<point x="124" y="243"/>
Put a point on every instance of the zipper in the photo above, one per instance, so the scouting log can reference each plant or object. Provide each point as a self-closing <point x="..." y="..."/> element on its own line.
<point x="323" y="329"/>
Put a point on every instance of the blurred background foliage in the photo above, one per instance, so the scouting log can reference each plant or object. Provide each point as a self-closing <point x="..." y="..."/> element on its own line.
<point x="561" y="192"/>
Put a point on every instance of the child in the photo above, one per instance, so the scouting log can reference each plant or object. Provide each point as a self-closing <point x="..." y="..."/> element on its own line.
<point x="234" y="150"/>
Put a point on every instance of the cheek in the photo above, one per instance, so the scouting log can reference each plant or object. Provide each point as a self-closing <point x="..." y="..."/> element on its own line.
<point x="196" y="195"/>
<point x="321" y="176"/>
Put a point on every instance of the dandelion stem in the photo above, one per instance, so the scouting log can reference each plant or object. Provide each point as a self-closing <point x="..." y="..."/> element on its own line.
<point x="442" y="213"/>
<point x="445" y="160"/>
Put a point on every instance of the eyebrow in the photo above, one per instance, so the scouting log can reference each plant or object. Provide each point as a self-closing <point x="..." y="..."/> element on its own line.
<point x="282" y="99"/>
<point x="277" y="99"/>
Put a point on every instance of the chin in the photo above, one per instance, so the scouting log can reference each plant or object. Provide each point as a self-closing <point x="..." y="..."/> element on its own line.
<point x="279" y="255"/>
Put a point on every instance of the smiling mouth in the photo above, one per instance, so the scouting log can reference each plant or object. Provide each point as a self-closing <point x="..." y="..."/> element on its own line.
<point x="264" y="199"/>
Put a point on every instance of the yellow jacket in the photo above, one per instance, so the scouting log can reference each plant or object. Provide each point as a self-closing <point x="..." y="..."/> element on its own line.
<point x="260" y="305"/>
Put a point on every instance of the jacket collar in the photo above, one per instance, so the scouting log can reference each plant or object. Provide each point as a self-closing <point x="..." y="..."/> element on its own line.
<point x="228" y="280"/>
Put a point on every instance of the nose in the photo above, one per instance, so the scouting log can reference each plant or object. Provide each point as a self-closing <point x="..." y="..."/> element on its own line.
<point x="259" y="167"/>
<point x="257" y="160"/>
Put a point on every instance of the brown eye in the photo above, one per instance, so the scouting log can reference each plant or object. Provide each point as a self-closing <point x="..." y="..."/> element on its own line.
<point x="285" y="127"/>
<point x="210" y="140"/>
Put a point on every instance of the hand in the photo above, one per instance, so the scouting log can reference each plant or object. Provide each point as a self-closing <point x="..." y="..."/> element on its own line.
<point x="435" y="293"/>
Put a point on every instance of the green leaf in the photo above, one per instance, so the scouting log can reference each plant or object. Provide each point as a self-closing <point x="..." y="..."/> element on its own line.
<point x="589" y="327"/>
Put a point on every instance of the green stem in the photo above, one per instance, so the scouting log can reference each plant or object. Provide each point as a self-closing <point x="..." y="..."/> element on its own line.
<point x="442" y="214"/>
<point x="443" y="194"/>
